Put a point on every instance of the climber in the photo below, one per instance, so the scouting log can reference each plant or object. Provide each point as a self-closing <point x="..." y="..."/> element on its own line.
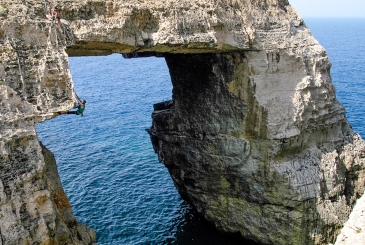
<point x="54" y="16"/>
<point x="80" y="108"/>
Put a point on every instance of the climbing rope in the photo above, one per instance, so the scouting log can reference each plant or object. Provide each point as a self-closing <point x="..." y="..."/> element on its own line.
<point x="63" y="35"/>
<point x="77" y="97"/>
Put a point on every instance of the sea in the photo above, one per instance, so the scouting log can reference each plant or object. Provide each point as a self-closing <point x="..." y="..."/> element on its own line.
<point x="105" y="159"/>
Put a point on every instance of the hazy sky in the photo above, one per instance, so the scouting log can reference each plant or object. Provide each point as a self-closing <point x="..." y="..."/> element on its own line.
<point x="329" y="8"/>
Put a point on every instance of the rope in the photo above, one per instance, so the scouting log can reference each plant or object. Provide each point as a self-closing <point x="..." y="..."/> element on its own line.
<point x="66" y="30"/>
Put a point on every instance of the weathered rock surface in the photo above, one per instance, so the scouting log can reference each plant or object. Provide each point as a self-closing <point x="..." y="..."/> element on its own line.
<point x="34" y="82"/>
<point x="254" y="137"/>
<point x="353" y="231"/>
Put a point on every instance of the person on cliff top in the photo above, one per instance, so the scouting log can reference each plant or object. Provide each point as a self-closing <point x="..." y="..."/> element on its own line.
<point x="80" y="108"/>
<point x="54" y="16"/>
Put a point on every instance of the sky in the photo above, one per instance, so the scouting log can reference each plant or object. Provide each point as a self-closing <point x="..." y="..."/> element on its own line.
<point x="330" y="8"/>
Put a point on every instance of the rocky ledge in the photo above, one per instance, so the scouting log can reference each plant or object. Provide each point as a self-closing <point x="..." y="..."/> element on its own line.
<point x="254" y="137"/>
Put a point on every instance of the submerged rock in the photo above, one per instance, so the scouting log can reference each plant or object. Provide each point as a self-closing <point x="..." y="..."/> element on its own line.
<point x="254" y="137"/>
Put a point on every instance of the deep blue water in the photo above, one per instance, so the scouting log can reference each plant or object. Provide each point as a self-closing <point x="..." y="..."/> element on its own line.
<point x="344" y="41"/>
<point x="105" y="159"/>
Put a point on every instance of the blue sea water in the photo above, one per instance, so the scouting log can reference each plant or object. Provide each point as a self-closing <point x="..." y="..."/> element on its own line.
<point x="344" y="41"/>
<point x="105" y="159"/>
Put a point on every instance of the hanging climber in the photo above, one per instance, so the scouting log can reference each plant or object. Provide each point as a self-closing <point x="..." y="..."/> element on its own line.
<point x="80" y="108"/>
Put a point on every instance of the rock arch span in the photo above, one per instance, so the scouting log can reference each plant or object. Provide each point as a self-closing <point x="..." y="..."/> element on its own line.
<point x="254" y="138"/>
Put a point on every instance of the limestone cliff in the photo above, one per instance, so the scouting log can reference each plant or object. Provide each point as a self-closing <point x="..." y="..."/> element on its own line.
<point x="34" y="81"/>
<point x="254" y="138"/>
<point x="353" y="230"/>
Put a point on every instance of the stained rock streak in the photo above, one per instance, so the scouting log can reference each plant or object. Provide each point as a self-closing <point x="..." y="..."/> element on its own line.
<point x="254" y="137"/>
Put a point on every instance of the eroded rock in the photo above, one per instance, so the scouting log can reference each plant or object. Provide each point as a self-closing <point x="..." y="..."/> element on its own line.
<point x="236" y="159"/>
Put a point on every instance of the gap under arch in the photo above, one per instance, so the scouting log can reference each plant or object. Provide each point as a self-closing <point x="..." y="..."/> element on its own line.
<point x="106" y="161"/>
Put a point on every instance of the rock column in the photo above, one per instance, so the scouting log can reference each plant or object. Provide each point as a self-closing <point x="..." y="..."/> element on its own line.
<point x="244" y="172"/>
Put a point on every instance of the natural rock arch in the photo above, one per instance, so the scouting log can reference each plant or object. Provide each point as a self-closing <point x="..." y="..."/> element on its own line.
<point x="254" y="138"/>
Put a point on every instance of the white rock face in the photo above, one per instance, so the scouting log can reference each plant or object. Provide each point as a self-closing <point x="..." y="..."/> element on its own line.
<point x="258" y="141"/>
<point x="353" y="231"/>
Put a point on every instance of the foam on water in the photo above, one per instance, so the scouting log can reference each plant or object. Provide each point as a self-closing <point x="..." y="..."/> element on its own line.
<point x="105" y="159"/>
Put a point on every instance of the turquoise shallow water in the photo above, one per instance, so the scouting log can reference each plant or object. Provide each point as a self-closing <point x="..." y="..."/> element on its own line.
<point x="105" y="159"/>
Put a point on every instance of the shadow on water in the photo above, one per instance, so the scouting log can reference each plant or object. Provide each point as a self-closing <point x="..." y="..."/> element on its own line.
<point x="190" y="228"/>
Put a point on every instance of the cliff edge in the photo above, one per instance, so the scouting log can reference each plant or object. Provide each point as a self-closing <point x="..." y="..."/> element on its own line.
<point x="254" y="137"/>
